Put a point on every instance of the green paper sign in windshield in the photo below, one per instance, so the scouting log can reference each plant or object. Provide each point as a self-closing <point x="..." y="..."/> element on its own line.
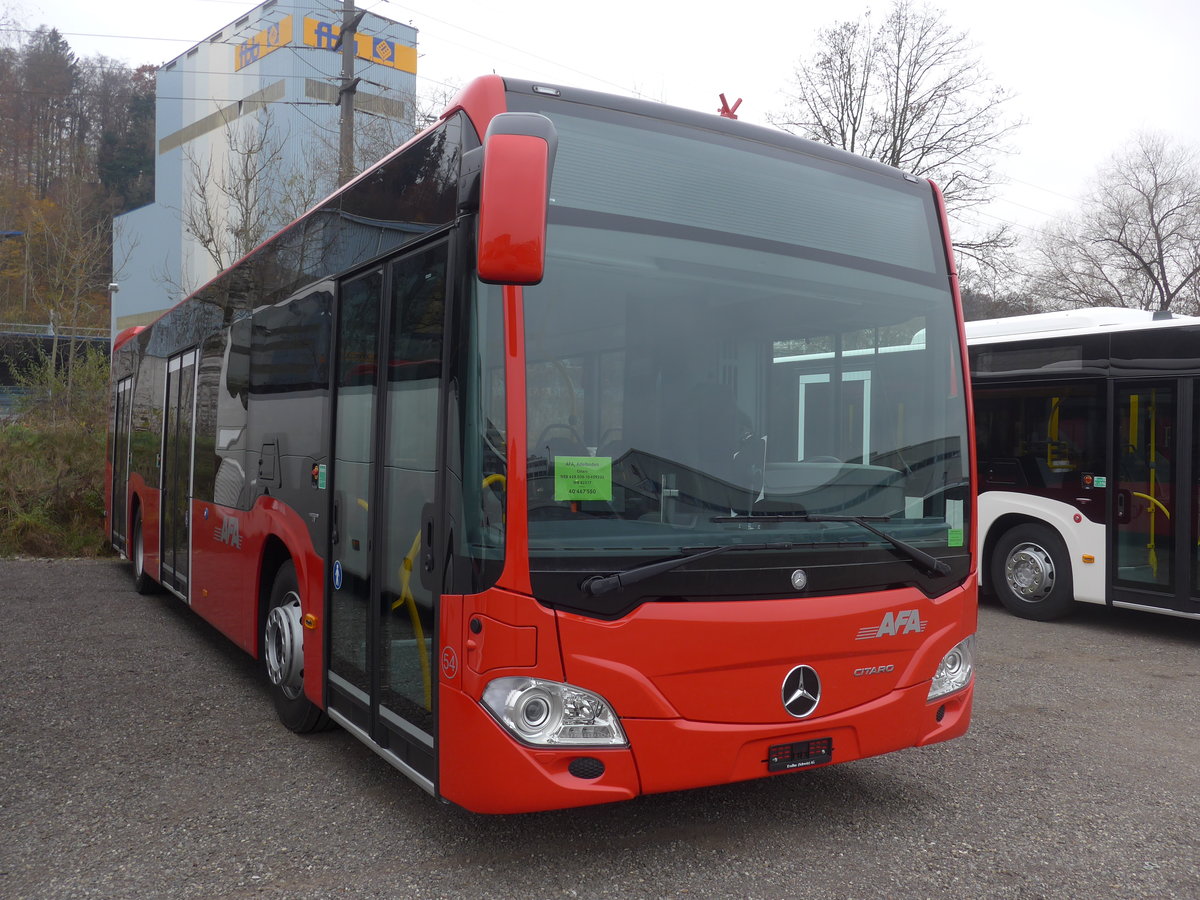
<point x="583" y="478"/>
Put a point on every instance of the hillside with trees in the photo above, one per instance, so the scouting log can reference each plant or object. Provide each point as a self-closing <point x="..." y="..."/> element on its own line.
<point x="76" y="147"/>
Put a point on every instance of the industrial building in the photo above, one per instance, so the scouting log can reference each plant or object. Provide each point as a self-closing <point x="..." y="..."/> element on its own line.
<point x="246" y="137"/>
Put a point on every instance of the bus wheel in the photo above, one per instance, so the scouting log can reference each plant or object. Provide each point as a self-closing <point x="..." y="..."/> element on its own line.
<point x="283" y="655"/>
<point x="1031" y="573"/>
<point x="142" y="583"/>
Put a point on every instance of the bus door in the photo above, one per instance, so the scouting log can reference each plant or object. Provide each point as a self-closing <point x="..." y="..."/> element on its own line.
<point x="1150" y="512"/>
<point x="122" y="417"/>
<point x="176" y="486"/>
<point x="382" y="617"/>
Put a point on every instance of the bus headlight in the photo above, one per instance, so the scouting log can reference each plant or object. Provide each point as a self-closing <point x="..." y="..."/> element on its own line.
<point x="547" y="713"/>
<point x="954" y="672"/>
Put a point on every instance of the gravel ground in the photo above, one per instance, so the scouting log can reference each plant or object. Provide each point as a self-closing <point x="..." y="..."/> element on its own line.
<point x="140" y="757"/>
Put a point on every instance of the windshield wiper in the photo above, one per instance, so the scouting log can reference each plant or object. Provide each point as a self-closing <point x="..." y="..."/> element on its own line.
<point x="604" y="584"/>
<point x="932" y="563"/>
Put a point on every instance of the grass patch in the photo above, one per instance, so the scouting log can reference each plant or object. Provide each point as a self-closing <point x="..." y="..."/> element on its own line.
<point x="52" y="464"/>
<point x="51" y="491"/>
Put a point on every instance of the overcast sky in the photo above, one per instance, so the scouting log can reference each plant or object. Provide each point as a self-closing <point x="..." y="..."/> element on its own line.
<point x="1085" y="74"/>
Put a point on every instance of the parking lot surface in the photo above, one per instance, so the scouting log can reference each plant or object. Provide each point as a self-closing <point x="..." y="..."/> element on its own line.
<point x="140" y="757"/>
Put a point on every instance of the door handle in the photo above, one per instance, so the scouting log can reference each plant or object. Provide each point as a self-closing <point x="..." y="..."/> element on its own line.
<point x="427" y="554"/>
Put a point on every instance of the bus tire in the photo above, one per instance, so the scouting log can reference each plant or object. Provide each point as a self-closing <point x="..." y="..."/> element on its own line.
<point x="142" y="583"/>
<point x="1031" y="573"/>
<point x="283" y="655"/>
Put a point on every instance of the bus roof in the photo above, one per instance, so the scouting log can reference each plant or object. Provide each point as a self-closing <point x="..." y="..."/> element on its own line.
<point x="1090" y="320"/>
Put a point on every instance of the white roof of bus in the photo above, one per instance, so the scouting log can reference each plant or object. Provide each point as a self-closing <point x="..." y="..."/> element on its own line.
<point x="1092" y="320"/>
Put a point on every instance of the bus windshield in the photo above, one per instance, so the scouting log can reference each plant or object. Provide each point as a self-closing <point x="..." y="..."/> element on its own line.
<point x="732" y="340"/>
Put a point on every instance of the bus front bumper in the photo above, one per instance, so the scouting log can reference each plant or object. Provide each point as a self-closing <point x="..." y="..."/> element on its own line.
<point x="483" y="769"/>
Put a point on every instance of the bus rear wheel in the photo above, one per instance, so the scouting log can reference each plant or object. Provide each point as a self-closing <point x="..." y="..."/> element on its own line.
<point x="142" y="583"/>
<point x="283" y="655"/>
<point x="1031" y="573"/>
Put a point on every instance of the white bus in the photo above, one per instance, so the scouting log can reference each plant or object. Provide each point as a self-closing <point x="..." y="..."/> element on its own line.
<point x="1088" y="427"/>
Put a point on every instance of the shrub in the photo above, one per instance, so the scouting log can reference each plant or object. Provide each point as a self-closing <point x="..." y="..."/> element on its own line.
<point x="52" y="461"/>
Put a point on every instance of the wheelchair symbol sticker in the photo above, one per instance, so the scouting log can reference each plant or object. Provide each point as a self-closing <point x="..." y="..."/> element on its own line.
<point x="337" y="575"/>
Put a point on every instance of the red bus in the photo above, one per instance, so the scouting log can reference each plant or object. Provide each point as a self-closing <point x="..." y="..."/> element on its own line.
<point x="582" y="448"/>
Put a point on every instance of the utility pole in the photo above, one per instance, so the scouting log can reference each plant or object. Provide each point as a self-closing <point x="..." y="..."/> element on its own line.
<point x="346" y="39"/>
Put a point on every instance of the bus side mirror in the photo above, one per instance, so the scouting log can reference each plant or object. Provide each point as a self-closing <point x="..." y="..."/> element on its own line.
<point x="514" y="193"/>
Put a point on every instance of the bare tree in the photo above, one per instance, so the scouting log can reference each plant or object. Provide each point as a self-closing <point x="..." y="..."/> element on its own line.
<point x="1136" y="240"/>
<point x="69" y="253"/>
<point x="231" y="207"/>
<point x="241" y="195"/>
<point x="237" y="200"/>
<point x="912" y="93"/>
<point x="432" y="100"/>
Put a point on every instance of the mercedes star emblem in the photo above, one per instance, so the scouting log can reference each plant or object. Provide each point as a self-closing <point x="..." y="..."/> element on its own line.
<point x="801" y="691"/>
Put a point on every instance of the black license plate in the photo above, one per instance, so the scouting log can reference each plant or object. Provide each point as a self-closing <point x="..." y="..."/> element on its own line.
<point x="799" y="755"/>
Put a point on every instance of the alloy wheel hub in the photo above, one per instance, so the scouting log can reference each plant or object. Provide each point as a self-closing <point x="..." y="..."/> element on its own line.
<point x="284" y="647"/>
<point x="1030" y="572"/>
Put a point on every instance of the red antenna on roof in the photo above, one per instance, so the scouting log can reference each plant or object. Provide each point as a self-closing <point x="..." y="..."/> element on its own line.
<point x="727" y="111"/>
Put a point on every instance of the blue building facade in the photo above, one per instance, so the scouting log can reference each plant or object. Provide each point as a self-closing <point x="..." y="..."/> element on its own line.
<point x="264" y="89"/>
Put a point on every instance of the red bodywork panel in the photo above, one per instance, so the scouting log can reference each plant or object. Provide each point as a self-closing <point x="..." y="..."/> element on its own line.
<point x="726" y="661"/>
<point x="515" y="576"/>
<point x="698" y="689"/>
<point x="126" y="336"/>
<point x="482" y="100"/>
<point x="228" y="549"/>
<point x="227" y="564"/>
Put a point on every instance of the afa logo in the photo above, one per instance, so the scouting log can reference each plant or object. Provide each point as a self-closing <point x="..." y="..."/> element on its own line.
<point x="228" y="533"/>
<point x="903" y="622"/>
